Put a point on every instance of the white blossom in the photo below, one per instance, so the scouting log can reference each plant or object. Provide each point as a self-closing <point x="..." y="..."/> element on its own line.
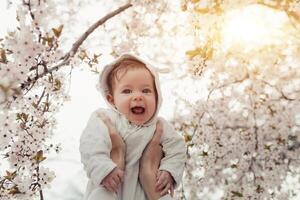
<point x="237" y="107"/>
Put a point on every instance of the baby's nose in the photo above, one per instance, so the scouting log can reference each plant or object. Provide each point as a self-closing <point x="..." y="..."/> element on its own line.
<point x="137" y="97"/>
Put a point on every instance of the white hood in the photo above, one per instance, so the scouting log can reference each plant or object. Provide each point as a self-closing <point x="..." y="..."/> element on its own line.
<point x="102" y="85"/>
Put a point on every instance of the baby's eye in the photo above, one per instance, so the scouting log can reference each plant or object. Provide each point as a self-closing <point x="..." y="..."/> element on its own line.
<point x="126" y="91"/>
<point x="147" y="90"/>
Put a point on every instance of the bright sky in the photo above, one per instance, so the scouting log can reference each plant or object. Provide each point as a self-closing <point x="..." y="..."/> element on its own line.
<point x="255" y="26"/>
<point x="6" y="18"/>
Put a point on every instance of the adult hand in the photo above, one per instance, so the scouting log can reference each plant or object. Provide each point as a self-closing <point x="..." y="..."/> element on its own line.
<point x="149" y="163"/>
<point x="118" y="149"/>
<point x="153" y="152"/>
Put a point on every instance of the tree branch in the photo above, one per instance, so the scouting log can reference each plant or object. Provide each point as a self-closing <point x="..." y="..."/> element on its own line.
<point x="66" y="58"/>
<point x="29" y="8"/>
<point x="246" y="77"/>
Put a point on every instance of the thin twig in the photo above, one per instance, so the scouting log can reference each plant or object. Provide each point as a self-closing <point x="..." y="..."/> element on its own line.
<point x="246" y="77"/>
<point x="29" y="8"/>
<point x="283" y="95"/>
<point x="41" y="97"/>
<point x="39" y="185"/>
<point x="66" y="58"/>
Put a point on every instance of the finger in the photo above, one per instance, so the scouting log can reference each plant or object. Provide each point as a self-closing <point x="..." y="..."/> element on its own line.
<point x="159" y="126"/>
<point x="172" y="190"/>
<point x="161" y="183"/>
<point x="112" y="130"/>
<point x="165" y="190"/>
<point x="103" y="117"/>
<point x="117" y="180"/>
<point x="158" y="174"/>
<point x="108" y="187"/>
<point x="113" y="184"/>
<point x="162" y="186"/>
<point x="120" y="174"/>
<point x="111" y="189"/>
<point x="158" y="131"/>
<point x="115" y="189"/>
<point x="113" y="134"/>
<point x="106" y="120"/>
<point x="161" y="176"/>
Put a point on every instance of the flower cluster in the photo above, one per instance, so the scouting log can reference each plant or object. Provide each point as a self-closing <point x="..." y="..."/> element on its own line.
<point x="243" y="131"/>
<point x="238" y="108"/>
<point x="30" y="95"/>
<point x="153" y="29"/>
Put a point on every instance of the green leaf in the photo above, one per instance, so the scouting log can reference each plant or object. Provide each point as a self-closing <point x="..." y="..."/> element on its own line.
<point x="82" y="54"/>
<point x="10" y="175"/>
<point x="259" y="189"/>
<point x="267" y="147"/>
<point x="57" y="31"/>
<point x="236" y="194"/>
<point x="206" y="52"/>
<point x="204" y="153"/>
<point x="187" y="138"/>
<point x="233" y="166"/>
<point x="39" y="156"/>
<point x="14" y="190"/>
<point x="3" y="58"/>
<point x="57" y="84"/>
<point x="48" y="40"/>
<point x="22" y="117"/>
<point x="193" y="53"/>
<point x="195" y="1"/>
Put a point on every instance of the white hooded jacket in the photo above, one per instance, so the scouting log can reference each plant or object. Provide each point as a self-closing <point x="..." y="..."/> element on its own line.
<point x="95" y="146"/>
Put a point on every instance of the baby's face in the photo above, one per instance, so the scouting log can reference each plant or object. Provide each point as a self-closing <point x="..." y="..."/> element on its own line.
<point x="134" y="95"/>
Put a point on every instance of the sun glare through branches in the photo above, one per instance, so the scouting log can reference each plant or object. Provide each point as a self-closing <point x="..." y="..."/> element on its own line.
<point x="254" y="26"/>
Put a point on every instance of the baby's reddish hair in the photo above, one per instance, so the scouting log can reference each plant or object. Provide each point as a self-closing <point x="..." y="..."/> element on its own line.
<point x="120" y="69"/>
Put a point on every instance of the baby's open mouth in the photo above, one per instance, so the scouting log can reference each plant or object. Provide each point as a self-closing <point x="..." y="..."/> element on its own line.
<point x="137" y="110"/>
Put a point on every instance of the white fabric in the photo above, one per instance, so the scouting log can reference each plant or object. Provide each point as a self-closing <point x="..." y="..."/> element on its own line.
<point x="95" y="146"/>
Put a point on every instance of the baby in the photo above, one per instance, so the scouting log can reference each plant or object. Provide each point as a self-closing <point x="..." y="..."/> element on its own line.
<point x="120" y="147"/>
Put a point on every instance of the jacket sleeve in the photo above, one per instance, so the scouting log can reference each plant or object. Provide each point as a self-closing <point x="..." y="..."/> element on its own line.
<point x="95" y="147"/>
<point x="174" y="149"/>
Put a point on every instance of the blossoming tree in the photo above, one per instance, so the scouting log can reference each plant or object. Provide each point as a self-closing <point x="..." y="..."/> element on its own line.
<point x="241" y="126"/>
<point x="244" y="134"/>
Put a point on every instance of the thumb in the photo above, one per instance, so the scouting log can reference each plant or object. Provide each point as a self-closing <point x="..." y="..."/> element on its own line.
<point x="121" y="175"/>
<point x="104" y="118"/>
<point x="158" y="131"/>
<point x="172" y="190"/>
<point x="107" y="121"/>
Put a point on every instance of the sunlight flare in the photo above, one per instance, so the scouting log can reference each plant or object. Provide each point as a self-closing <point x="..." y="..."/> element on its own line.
<point x="254" y="26"/>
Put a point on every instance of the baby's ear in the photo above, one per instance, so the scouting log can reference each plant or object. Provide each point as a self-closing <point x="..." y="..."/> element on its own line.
<point x="110" y="98"/>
